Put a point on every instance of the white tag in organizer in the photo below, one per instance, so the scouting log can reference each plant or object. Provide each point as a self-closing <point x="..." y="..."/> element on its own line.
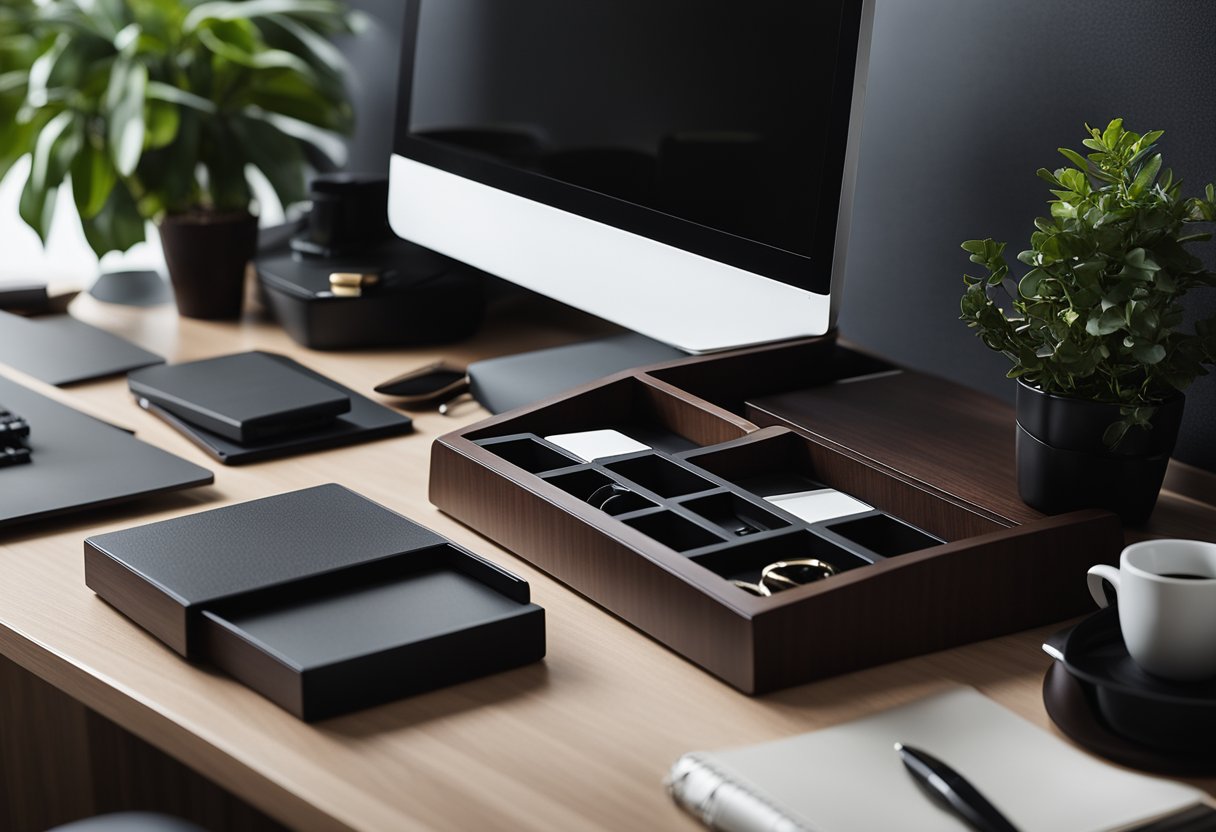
<point x="818" y="505"/>
<point x="590" y="445"/>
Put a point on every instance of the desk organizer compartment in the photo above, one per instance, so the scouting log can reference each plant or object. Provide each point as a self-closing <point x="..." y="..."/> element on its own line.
<point x="734" y="514"/>
<point x="660" y="475"/>
<point x="320" y="600"/>
<point x="529" y="452"/>
<point x="673" y="530"/>
<point x="743" y="560"/>
<point x="881" y="534"/>
<point x="918" y="567"/>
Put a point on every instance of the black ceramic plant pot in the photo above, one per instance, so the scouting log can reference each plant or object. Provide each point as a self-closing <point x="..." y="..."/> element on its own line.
<point x="1063" y="464"/>
<point x="207" y="255"/>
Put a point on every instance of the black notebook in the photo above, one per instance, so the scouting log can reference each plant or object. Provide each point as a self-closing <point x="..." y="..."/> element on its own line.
<point x="366" y="420"/>
<point x="246" y="397"/>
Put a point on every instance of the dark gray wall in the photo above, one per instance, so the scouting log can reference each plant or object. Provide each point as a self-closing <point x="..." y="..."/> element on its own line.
<point x="374" y="56"/>
<point x="966" y="99"/>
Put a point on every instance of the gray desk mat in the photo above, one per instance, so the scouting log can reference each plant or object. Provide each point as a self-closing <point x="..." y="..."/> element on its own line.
<point x="61" y="350"/>
<point x="79" y="462"/>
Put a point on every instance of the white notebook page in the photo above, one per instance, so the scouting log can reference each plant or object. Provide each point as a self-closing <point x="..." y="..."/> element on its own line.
<point x="850" y="779"/>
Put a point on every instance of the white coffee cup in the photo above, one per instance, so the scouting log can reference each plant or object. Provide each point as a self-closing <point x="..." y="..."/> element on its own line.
<point x="1168" y="622"/>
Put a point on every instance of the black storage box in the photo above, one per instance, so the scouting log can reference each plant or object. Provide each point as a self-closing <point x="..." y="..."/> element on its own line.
<point x="320" y="600"/>
<point x="414" y="296"/>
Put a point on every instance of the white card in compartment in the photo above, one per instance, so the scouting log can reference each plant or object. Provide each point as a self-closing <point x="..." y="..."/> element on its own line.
<point x="818" y="505"/>
<point x="591" y="445"/>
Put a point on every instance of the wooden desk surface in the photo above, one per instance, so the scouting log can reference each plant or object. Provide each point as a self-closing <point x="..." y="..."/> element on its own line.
<point x="580" y="741"/>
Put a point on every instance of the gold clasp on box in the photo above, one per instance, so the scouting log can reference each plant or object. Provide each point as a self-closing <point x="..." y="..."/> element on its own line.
<point x="351" y="284"/>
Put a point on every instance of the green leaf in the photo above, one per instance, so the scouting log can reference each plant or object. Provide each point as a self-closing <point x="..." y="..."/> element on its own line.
<point x="37" y="208"/>
<point x="319" y="51"/>
<point x="1149" y="353"/>
<point x="117" y="227"/>
<point x="328" y="143"/>
<point x="1074" y="157"/>
<point x="1028" y="286"/>
<point x="93" y="177"/>
<point x="161" y="91"/>
<point x="1048" y="177"/>
<point x="1063" y="210"/>
<point x="250" y="9"/>
<point x="231" y="40"/>
<point x="53" y="151"/>
<point x="277" y="156"/>
<point x="125" y="98"/>
<point x="1105" y="323"/>
<point x="1145" y="178"/>
<point x="163" y="121"/>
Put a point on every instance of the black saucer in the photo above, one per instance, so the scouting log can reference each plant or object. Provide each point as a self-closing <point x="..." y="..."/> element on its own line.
<point x="1101" y="699"/>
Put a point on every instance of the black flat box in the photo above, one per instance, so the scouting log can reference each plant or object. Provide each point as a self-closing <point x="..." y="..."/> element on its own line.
<point x="320" y="599"/>
<point x="366" y="420"/>
<point x="421" y="298"/>
<point x="245" y="397"/>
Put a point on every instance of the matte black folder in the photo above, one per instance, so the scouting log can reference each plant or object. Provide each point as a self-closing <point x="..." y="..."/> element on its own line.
<point x="245" y="397"/>
<point x="321" y="600"/>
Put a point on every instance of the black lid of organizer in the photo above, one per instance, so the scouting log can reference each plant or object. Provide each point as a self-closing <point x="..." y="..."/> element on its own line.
<point x="200" y="559"/>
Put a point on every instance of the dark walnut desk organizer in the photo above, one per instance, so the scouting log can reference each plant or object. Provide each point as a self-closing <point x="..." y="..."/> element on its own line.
<point x="948" y="556"/>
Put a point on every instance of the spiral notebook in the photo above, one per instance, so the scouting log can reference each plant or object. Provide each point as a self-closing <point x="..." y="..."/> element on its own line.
<point x="850" y="779"/>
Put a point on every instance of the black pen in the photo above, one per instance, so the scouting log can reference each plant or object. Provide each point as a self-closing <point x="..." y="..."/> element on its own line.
<point x="954" y="790"/>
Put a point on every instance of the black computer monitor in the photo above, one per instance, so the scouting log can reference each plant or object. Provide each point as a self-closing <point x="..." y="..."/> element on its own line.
<point x="684" y="168"/>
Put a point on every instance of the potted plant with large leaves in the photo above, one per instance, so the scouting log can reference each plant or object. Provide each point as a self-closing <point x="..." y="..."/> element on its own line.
<point x="163" y="110"/>
<point x="1093" y="329"/>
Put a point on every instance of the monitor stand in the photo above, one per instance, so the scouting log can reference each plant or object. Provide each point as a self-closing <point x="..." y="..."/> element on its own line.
<point x="505" y="383"/>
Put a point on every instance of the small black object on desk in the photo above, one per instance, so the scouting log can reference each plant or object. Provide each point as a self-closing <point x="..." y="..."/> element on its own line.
<point x="346" y="282"/>
<point x="13" y="430"/>
<point x="282" y="425"/>
<point x="245" y="397"/>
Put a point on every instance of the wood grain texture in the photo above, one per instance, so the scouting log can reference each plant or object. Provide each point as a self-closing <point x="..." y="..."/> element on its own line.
<point x="62" y="762"/>
<point x="581" y="741"/>
<point x="928" y="429"/>
<point x="44" y="754"/>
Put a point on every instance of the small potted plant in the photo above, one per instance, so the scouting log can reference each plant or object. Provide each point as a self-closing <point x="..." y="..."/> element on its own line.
<point x="161" y="110"/>
<point x="1093" y="328"/>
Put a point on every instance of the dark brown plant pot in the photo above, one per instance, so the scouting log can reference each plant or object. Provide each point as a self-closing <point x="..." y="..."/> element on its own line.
<point x="1063" y="464"/>
<point x="207" y="255"/>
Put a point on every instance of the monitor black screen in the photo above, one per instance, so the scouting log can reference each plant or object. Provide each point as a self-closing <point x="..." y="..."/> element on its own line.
<point x="717" y="126"/>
